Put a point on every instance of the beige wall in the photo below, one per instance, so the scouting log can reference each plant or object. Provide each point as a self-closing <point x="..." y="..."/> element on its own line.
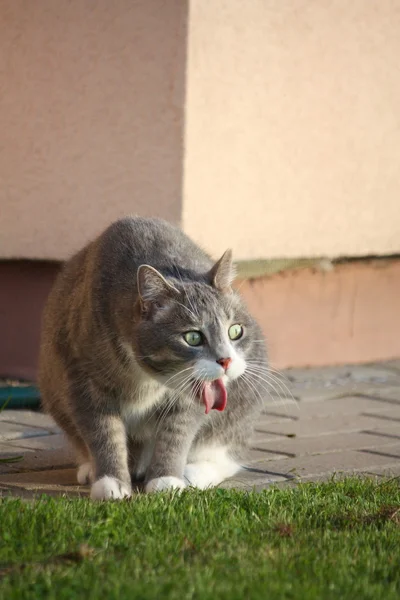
<point x="91" y="118"/>
<point x="293" y="127"/>
<point x="291" y="123"/>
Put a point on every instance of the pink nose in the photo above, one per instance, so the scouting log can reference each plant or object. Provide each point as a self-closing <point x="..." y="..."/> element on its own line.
<point x="224" y="362"/>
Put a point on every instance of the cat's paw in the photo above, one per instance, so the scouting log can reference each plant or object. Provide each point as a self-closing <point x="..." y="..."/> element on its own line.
<point x="205" y="474"/>
<point x="202" y="475"/>
<point x="109" y="488"/>
<point x="85" y="473"/>
<point x="160" y="484"/>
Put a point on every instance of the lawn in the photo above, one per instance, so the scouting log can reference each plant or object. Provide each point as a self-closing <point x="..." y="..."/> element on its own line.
<point x="339" y="540"/>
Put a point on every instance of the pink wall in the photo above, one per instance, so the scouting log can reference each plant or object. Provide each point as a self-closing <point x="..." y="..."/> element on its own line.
<point x="91" y="118"/>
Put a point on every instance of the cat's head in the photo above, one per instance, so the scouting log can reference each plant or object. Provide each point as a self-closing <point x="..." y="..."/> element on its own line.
<point x="193" y="336"/>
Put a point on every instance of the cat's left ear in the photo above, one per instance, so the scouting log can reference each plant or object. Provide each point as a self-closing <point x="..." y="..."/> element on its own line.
<point x="223" y="272"/>
<point x="153" y="288"/>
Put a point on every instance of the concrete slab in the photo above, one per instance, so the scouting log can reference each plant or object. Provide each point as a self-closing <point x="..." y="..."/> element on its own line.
<point x="29" y="418"/>
<point x="16" y="431"/>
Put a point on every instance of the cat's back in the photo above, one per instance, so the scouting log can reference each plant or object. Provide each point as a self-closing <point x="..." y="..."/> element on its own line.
<point x="101" y="272"/>
<point x="132" y="241"/>
<point x="123" y="246"/>
<point x="107" y="266"/>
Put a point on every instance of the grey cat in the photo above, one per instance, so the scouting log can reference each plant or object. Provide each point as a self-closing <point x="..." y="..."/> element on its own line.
<point x="150" y="362"/>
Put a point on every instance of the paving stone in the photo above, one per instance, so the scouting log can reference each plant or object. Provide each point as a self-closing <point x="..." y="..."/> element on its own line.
<point x="29" y="418"/>
<point x="325" y="464"/>
<point x="317" y="393"/>
<point x="48" y="442"/>
<point x="331" y="382"/>
<point x="54" y="476"/>
<point x="387" y="471"/>
<point x="15" y="431"/>
<point x="8" y="451"/>
<point x="335" y="442"/>
<point x="4" y="446"/>
<point x="38" y="460"/>
<point x="393" y="364"/>
<point x="247" y="479"/>
<point x="52" y="482"/>
<point x="386" y="393"/>
<point x="348" y="405"/>
<point x="377" y="373"/>
<point x="325" y="425"/>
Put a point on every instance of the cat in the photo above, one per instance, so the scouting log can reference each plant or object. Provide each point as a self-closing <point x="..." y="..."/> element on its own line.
<point x="150" y="362"/>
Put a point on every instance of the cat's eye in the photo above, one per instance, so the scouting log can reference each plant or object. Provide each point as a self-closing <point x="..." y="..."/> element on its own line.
<point x="193" y="338"/>
<point x="235" y="332"/>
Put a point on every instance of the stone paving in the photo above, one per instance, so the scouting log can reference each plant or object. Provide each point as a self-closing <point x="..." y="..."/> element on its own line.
<point x="316" y="423"/>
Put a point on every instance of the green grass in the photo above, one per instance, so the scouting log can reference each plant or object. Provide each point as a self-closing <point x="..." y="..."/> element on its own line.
<point x="315" y="541"/>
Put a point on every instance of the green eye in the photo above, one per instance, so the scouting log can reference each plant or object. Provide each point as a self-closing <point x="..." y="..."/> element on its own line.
<point x="235" y="332"/>
<point x="193" y="338"/>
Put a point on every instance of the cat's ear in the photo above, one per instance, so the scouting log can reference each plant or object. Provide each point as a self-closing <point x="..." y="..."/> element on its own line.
<point x="152" y="286"/>
<point x="223" y="272"/>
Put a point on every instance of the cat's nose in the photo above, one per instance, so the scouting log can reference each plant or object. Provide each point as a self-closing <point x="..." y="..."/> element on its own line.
<point x="224" y="362"/>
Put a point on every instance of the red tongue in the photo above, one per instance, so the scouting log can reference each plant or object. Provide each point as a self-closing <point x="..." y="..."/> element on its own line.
<point x="213" y="394"/>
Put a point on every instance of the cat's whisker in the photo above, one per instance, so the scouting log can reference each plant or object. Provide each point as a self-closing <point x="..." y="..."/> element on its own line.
<point x="273" y="381"/>
<point x="275" y="377"/>
<point x="157" y="407"/>
<point x="191" y="313"/>
<point x="268" y="385"/>
<point x="269" y="368"/>
<point x="283" y="391"/>
<point x="231" y="302"/>
<point x="239" y="287"/>
<point x="265" y="382"/>
<point x="193" y="309"/>
<point x="196" y="388"/>
<point x="173" y="398"/>
<point x="267" y="389"/>
<point x="253" y="389"/>
<point x="179" y="373"/>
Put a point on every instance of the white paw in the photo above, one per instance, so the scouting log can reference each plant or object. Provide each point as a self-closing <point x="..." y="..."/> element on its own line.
<point x="109" y="488"/>
<point x="164" y="483"/>
<point x="201" y="475"/>
<point x="206" y="474"/>
<point x="85" y="473"/>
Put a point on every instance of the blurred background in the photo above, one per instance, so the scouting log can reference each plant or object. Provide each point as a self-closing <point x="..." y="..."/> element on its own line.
<point x="268" y="126"/>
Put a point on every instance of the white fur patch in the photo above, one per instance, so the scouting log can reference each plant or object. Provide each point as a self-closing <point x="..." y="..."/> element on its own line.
<point x="209" y="466"/>
<point x="237" y="366"/>
<point x="160" y="484"/>
<point x="137" y="414"/>
<point x="109" y="488"/>
<point x="209" y="370"/>
<point x="85" y="473"/>
<point x="206" y="369"/>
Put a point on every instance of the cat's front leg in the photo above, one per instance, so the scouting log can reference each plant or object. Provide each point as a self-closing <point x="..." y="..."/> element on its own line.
<point x="171" y="448"/>
<point x="105" y="436"/>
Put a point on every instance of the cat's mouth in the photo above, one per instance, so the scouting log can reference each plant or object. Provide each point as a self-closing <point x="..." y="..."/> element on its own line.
<point x="212" y="394"/>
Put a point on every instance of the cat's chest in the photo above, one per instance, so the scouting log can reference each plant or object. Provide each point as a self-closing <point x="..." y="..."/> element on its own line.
<point x="138" y="410"/>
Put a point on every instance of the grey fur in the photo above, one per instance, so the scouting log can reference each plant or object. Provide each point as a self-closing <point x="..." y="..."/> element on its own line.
<point x="109" y="347"/>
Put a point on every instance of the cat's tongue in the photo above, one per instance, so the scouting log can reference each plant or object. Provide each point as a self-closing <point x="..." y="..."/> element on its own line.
<point x="213" y="394"/>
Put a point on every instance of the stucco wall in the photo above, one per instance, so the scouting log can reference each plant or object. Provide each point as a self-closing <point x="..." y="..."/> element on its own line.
<point x="293" y="127"/>
<point x="91" y="118"/>
<point x="276" y="121"/>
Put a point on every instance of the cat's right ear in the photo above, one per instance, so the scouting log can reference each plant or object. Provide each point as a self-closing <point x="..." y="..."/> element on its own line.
<point x="153" y="288"/>
<point x="223" y="273"/>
